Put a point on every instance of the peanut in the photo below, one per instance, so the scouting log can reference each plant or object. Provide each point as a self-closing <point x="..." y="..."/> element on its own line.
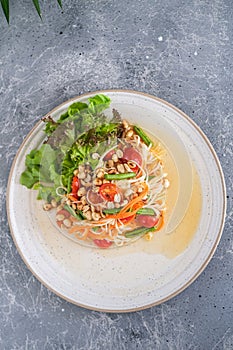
<point x="96" y="216"/>
<point x="67" y="223"/>
<point x="129" y="133"/>
<point x="119" y="153"/>
<point x="87" y="178"/>
<point x="81" y="175"/>
<point x="105" y="181"/>
<point x="97" y="182"/>
<point x="88" y="215"/>
<point x="127" y="168"/>
<point x="86" y="208"/>
<point x="53" y="203"/>
<point x="47" y="206"/>
<point x="120" y="168"/>
<point x="100" y="173"/>
<point x="95" y="189"/>
<point x="83" y="200"/>
<point x="81" y="168"/>
<point x="115" y="158"/>
<point x="125" y="124"/>
<point x="82" y="191"/>
<point x="112" y="171"/>
<point x="60" y="217"/>
<point x="110" y="163"/>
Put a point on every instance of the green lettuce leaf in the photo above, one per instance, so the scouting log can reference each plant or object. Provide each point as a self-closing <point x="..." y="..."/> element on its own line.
<point x="71" y="140"/>
<point x="98" y="103"/>
<point x="76" y="108"/>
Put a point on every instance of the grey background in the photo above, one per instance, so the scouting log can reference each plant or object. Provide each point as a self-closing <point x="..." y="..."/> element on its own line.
<point x="178" y="50"/>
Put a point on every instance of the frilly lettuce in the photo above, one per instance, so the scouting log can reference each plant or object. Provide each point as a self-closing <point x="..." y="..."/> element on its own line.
<point x="80" y="131"/>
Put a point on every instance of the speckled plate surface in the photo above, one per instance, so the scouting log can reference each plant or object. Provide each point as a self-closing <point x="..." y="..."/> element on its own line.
<point x="143" y="274"/>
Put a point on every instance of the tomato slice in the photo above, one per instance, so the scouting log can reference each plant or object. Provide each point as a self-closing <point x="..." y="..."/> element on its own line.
<point x="131" y="153"/>
<point x="109" y="155"/>
<point x="102" y="243"/>
<point x="147" y="220"/>
<point x="63" y="212"/>
<point x="75" y="186"/>
<point x="108" y="191"/>
<point x="94" y="198"/>
<point x="59" y="223"/>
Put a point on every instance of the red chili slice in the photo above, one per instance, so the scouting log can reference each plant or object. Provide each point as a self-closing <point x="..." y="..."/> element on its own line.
<point x="108" y="191"/>
<point x="126" y="220"/>
<point x="75" y="186"/>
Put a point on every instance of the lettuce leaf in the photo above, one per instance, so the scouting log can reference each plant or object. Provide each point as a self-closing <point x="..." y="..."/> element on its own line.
<point x="70" y="141"/>
<point x="38" y="166"/>
<point x="76" y="108"/>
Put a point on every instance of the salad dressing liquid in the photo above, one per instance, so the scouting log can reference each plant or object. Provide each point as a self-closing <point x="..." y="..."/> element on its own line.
<point x="174" y="243"/>
<point x="171" y="244"/>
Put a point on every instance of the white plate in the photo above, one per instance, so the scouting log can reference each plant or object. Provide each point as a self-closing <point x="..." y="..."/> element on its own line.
<point x="145" y="273"/>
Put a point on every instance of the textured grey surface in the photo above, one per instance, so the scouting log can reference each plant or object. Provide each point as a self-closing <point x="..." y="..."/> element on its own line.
<point x="178" y="50"/>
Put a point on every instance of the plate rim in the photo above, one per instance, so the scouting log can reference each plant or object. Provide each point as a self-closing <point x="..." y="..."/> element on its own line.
<point x="207" y="259"/>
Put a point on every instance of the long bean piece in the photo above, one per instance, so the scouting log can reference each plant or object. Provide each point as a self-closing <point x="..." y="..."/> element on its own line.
<point x="139" y="231"/>
<point x="119" y="176"/>
<point x="143" y="136"/>
<point x="145" y="211"/>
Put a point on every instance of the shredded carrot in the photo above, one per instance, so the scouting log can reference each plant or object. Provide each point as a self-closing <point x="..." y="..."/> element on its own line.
<point x="77" y="228"/>
<point x="72" y="198"/>
<point x="112" y="226"/>
<point x="83" y="238"/>
<point x="135" y="200"/>
<point x="161" y="222"/>
<point x="100" y="236"/>
<point x="101" y="222"/>
<point x="139" y="174"/>
<point x="73" y="219"/>
<point x="129" y="213"/>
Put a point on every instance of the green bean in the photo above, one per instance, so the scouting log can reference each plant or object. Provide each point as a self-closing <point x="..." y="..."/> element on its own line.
<point x="78" y="216"/>
<point x="119" y="176"/>
<point x="112" y="211"/>
<point x="142" y="211"/>
<point x="143" y="136"/>
<point x="139" y="231"/>
<point x="145" y="211"/>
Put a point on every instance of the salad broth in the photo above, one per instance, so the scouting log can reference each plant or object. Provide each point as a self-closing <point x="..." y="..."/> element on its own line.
<point x="174" y="243"/>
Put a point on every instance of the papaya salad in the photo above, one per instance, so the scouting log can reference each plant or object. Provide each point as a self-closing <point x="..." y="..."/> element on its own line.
<point x="103" y="177"/>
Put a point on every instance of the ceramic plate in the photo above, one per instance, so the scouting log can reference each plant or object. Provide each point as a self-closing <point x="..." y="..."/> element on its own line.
<point x="145" y="273"/>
